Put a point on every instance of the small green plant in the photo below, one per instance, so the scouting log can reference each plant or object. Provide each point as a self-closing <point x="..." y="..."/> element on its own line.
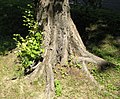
<point x="58" y="88"/>
<point x="78" y="65"/>
<point x="72" y="63"/>
<point x="111" y="87"/>
<point x="30" y="47"/>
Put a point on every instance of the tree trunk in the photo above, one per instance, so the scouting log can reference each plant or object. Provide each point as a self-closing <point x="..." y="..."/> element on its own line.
<point x="61" y="40"/>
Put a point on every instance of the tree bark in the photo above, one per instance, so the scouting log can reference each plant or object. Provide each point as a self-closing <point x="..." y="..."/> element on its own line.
<point x="61" y="40"/>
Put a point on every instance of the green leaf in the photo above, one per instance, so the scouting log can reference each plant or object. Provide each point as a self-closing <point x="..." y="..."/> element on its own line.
<point x="32" y="55"/>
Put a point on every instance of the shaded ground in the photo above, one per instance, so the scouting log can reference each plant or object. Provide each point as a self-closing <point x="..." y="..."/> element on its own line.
<point x="100" y="31"/>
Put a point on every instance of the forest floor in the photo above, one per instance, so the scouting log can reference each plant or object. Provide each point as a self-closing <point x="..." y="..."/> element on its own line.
<point x="73" y="83"/>
<point x="103" y="40"/>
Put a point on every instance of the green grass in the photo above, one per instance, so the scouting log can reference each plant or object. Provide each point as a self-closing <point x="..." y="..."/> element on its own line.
<point x="108" y="50"/>
<point x="110" y="77"/>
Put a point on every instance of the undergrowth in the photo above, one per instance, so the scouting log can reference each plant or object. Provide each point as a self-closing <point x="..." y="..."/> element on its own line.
<point x="29" y="48"/>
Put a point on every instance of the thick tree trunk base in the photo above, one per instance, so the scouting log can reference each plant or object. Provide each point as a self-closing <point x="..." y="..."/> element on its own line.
<point x="61" y="41"/>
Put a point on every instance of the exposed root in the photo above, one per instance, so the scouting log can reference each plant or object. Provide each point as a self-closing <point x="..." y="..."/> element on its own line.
<point x="49" y="92"/>
<point x="48" y="68"/>
<point x="37" y="73"/>
<point x="87" y="59"/>
<point x="85" y="69"/>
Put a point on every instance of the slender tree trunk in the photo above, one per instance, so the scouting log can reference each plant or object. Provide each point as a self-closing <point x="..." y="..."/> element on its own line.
<point x="61" y="40"/>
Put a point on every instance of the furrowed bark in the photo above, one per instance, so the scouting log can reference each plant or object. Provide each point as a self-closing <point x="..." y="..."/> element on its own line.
<point x="61" y="40"/>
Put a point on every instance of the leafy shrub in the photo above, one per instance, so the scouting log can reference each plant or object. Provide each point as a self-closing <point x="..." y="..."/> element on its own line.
<point x="30" y="47"/>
